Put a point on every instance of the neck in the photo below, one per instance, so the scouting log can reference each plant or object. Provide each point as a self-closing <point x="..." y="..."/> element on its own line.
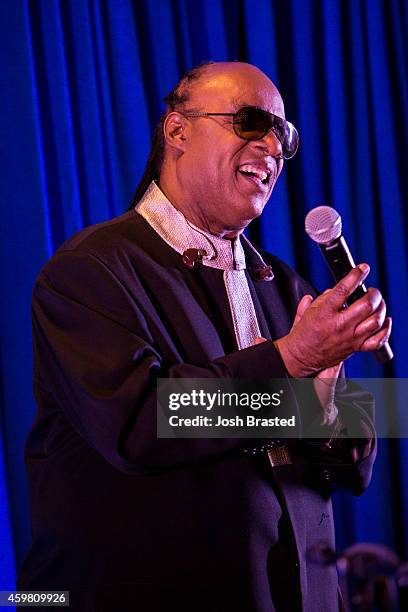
<point x="212" y="226"/>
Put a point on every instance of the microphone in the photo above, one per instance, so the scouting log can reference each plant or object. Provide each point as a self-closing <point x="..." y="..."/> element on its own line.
<point x="323" y="225"/>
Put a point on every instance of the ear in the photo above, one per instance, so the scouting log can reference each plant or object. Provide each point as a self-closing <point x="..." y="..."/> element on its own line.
<point x="176" y="130"/>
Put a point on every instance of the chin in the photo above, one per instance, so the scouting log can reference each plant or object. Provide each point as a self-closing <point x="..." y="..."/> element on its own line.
<point x="255" y="209"/>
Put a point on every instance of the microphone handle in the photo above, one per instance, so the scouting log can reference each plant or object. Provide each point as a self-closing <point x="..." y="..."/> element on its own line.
<point x="340" y="261"/>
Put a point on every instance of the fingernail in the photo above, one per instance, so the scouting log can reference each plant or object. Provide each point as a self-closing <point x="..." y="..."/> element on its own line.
<point x="365" y="268"/>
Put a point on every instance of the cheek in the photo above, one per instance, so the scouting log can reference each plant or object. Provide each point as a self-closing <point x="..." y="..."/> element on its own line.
<point x="216" y="170"/>
<point x="213" y="161"/>
<point x="202" y="158"/>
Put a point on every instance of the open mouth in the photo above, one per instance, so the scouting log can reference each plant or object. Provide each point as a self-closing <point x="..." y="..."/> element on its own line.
<point x="258" y="175"/>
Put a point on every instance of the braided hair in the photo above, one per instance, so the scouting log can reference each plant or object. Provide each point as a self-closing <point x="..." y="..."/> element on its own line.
<point x="177" y="97"/>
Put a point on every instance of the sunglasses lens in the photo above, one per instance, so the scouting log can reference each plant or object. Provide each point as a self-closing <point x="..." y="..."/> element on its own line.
<point x="254" y="123"/>
<point x="288" y="136"/>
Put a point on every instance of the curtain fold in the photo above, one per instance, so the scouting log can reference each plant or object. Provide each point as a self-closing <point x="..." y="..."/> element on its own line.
<point x="83" y="83"/>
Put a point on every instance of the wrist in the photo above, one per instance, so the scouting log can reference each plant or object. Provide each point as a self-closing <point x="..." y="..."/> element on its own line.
<point x="295" y="366"/>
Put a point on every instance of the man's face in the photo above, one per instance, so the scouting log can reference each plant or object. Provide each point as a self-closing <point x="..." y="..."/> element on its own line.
<point x="220" y="196"/>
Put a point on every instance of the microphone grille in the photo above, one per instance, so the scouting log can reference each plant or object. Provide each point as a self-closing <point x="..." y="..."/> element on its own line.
<point x="323" y="224"/>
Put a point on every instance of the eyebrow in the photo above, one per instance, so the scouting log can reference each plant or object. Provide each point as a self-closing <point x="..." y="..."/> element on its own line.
<point x="238" y="104"/>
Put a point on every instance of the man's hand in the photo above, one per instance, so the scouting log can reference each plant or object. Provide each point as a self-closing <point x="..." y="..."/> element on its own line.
<point x="325" y="333"/>
<point x="325" y="381"/>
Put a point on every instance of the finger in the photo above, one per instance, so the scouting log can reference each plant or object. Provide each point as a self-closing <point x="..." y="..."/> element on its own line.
<point x="373" y="323"/>
<point x="344" y="288"/>
<point x="330" y="373"/>
<point x="362" y="309"/>
<point x="260" y="340"/>
<point x="302" y="307"/>
<point x="375" y="342"/>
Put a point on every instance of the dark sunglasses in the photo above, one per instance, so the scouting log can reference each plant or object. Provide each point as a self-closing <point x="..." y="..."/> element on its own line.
<point x="251" y="123"/>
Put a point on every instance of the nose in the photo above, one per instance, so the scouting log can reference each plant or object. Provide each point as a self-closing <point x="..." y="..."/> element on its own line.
<point x="271" y="144"/>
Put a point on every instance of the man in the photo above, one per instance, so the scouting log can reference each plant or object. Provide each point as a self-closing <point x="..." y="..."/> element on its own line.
<point x="127" y="521"/>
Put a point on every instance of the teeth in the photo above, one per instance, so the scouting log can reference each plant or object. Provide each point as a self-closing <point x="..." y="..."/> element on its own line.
<point x="261" y="174"/>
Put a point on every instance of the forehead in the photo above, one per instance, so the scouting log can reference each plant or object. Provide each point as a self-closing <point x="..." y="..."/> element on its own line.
<point x="231" y="88"/>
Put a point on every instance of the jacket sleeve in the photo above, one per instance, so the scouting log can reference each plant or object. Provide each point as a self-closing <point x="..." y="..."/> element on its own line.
<point x="97" y="361"/>
<point x="340" y="459"/>
<point x="344" y="460"/>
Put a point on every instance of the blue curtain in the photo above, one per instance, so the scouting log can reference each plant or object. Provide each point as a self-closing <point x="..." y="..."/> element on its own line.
<point x="82" y="85"/>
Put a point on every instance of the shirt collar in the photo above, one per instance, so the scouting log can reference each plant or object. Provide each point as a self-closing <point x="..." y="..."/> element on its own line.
<point x="180" y="234"/>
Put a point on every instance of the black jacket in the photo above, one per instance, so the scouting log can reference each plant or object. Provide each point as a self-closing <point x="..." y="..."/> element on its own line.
<point x="126" y="521"/>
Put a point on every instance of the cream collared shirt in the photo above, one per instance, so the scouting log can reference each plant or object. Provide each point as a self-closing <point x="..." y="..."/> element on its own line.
<point x="223" y="254"/>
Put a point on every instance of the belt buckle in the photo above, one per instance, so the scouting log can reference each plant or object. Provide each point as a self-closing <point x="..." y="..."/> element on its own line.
<point x="279" y="455"/>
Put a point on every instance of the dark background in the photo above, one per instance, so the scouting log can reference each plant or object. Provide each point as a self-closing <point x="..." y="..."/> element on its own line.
<point x="82" y="88"/>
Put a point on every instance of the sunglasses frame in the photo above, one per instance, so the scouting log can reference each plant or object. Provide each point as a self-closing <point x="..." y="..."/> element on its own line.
<point x="241" y="113"/>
